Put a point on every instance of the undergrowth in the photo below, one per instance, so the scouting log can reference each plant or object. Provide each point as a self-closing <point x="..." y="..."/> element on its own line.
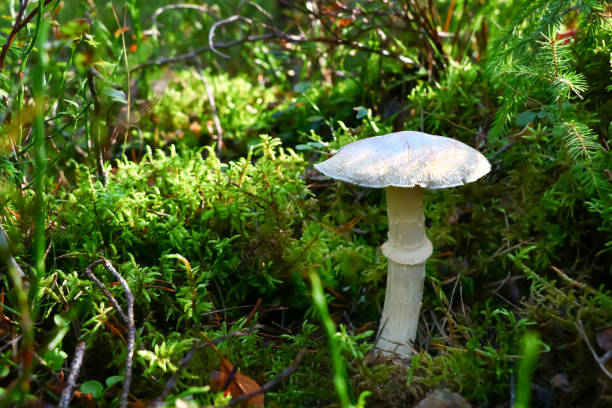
<point x="192" y="175"/>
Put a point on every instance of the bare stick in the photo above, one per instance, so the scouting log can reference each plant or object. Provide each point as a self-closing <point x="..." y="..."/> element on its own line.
<point x="511" y="143"/>
<point x="195" y="53"/>
<point x="197" y="346"/>
<point x="103" y="288"/>
<point x="601" y="361"/>
<point x="258" y="7"/>
<point x="213" y="108"/>
<point x="75" y="367"/>
<point x="271" y="384"/>
<point x="10" y="343"/>
<point x="160" y="10"/>
<point x="211" y="33"/>
<point x="16" y="27"/>
<point x="573" y="282"/>
<point x="128" y="319"/>
<point x="277" y="36"/>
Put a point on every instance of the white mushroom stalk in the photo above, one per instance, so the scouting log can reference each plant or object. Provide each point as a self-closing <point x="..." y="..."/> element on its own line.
<point x="405" y="163"/>
<point x="407" y="250"/>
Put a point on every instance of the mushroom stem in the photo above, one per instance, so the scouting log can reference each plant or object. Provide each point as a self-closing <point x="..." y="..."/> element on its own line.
<point x="407" y="249"/>
<point x="400" y="317"/>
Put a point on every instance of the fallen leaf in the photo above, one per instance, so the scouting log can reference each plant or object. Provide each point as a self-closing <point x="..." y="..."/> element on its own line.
<point x="232" y="381"/>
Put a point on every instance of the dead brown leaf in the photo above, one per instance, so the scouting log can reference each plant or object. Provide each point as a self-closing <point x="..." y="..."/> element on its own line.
<point x="232" y="381"/>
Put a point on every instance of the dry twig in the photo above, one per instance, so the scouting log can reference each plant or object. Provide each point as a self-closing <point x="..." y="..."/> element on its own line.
<point x="103" y="288"/>
<point x="213" y="108"/>
<point x="128" y="319"/>
<point x="160" y="10"/>
<point x="195" y="53"/>
<point x="11" y="343"/>
<point x="276" y="36"/>
<point x="211" y="33"/>
<point x="16" y="27"/>
<point x="601" y="361"/>
<point x="75" y="367"/>
<point x="258" y="7"/>
<point x="273" y="34"/>
<point x="573" y="282"/>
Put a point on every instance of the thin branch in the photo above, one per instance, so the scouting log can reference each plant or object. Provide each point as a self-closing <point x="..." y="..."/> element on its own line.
<point x="282" y="37"/>
<point x="75" y="367"/>
<point x="27" y="326"/>
<point x="211" y="33"/>
<point x="128" y="319"/>
<point x="429" y="29"/>
<point x="10" y="343"/>
<point x="103" y="288"/>
<point x="511" y="143"/>
<point x="160" y="10"/>
<point x="449" y="15"/>
<point x="270" y="384"/>
<point x="31" y="15"/>
<point x="352" y="44"/>
<point x="16" y="27"/>
<point x="601" y="361"/>
<point x="573" y="282"/>
<point x="127" y="70"/>
<point x="195" y="53"/>
<point x="258" y="7"/>
<point x="213" y="108"/>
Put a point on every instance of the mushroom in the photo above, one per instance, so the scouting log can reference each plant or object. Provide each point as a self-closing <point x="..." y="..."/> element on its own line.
<point x="405" y="163"/>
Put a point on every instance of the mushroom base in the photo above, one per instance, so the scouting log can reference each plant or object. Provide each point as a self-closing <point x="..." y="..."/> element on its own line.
<point x="400" y="318"/>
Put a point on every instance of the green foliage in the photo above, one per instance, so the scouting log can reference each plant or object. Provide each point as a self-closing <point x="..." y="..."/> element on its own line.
<point x="122" y="162"/>
<point x="219" y="231"/>
<point x="340" y="375"/>
<point x="538" y="66"/>
<point x="184" y="108"/>
<point x="530" y="353"/>
<point x="233" y="223"/>
<point x="93" y="387"/>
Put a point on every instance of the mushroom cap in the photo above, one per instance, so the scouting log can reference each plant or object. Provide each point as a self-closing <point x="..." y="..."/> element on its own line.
<point x="406" y="159"/>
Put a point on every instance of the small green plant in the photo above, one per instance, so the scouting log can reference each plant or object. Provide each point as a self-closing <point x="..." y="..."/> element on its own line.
<point x="529" y="351"/>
